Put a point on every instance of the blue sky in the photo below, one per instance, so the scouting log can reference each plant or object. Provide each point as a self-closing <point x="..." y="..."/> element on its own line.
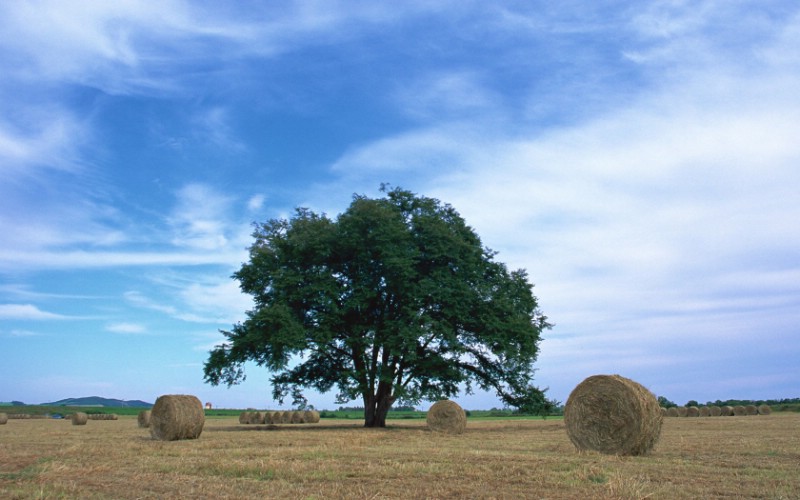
<point x="640" y="159"/>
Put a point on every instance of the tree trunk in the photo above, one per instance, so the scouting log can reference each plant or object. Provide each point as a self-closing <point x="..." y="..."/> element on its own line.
<point x="376" y="407"/>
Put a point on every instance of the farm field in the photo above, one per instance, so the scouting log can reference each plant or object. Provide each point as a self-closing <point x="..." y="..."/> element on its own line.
<point x="730" y="457"/>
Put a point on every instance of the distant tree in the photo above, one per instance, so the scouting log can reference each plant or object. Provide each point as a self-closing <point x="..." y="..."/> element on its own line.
<point x="666" y="403"/>
<point x="692" y="402"/>
<point x="394" y="300"/>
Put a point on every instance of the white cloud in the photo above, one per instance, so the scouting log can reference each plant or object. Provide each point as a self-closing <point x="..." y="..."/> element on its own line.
<point x="200" y="218"/>
<point x="126" y="328"/>
<point x="255" y="202"/>
<point x="27" y="312"/>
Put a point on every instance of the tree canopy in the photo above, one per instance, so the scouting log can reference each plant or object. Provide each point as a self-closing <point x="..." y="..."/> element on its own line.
<point x="396" y="299"/>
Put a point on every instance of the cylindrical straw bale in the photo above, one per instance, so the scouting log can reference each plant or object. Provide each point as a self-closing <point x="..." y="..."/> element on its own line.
<point x="175" y="417"/>
<point x="311" y="417"/>
<point x="672" y="411"/>
<point x="692" y="411"/>
<point x="613" y="415"/>
<point x="764" y="410"/>
<point x="447" y="417"/>
<point x="79" y="418"/>
<point x="3" y="418"/>
<point x="739" y="411"/>
<point x="297" y="417"/>
<point x="144" y="419"/>
<point x="663" y="412"/>
<point x="256" y="417"/>
<point x="683" y="411"/>
<point x="269" y="417"/>
<point x="751" y="410"/>
<point x="286" y="417"/>
<point x="244" y="417"/>
<point x="726" y="411"/>
<point x="705" y="411"/>
<point x="716" y="411"/>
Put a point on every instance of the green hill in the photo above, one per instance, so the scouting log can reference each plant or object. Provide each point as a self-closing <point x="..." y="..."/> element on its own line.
<point x="98" y="401"/>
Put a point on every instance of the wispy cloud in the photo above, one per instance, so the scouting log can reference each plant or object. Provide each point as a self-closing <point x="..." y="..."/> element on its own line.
<point x="198" y="218"/>
<point x="126" y="328"/>
<point x="28" y="312"/>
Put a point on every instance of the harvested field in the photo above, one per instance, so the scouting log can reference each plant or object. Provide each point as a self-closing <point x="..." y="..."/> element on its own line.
<point x="736" y="457"/>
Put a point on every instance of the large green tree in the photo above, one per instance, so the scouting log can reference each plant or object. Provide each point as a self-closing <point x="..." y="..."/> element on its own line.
<point x="396" y="299"/>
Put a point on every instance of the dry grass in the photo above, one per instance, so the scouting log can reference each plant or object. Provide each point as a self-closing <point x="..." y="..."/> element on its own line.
<point x="737" y="457"/>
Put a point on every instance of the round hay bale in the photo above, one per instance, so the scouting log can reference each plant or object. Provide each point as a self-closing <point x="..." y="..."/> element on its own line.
<point x="705" y="411"/>
<point x="296" y="417"/>
<point x="715" y="411"/>
<point x="269" y="417"/>
<point x="244" y="417"/>
<point x="3" y="418"/>
<point x="79" y="418"/>
<point x="663" y="412"/>
<point x="613" y="415"/>
<point x="683" y="411"/>
<point x="175" y="417"/>
<point x="692" y="411"/>
<point x="726" y="411"/>
<point x="311" y="417"/>
<point x="447" y="417"/>
<point x="144" y="419"/>
<point x="739" y="411"/>
<point x="672" y="411"/>
<point x="762" y="410"/>
<point x="256" y="417"/>
<point x="286" y="417"/>
<point x="750" y="410"/>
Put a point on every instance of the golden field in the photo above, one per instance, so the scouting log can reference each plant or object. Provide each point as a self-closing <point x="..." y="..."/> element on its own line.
<point x="722" y="457"/>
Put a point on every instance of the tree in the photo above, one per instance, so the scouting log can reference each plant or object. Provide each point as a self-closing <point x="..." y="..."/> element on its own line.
<point x="666" y="403"/>
<point x="394" y="300"/>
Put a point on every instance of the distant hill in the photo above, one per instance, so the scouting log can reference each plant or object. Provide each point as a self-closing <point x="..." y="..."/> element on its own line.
<point x="98" y="401"/>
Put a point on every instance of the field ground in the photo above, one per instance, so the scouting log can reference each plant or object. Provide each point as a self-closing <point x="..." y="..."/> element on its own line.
<point x="722" y="457"/>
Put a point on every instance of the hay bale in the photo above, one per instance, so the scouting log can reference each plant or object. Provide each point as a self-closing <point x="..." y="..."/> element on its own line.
<point x="672" y="412"/>
<point x="286" y="417"/>
<point x="447" y="417"/>
<point x="715" y="411"/>
<point x="311" y="417"/>
<point x="244" y="417"/>
<point x="297" y="417"/>
<point x="79" y="418"/>
<point x="750" y="410"/>
<point x="739" y="411"/>
<point x="692" y="411"/>
<point x="764" y="410"/>
<point x="3" y="418"/>
<point x="705" y="411"/>
<point x="726" y="411"/>
<point x="144" y="419"/>
<point x="613" y="415"/>
<point x="683" y="411"/>
<point x="663" y="412"/>
<point x="175" y="417"/>
<point x="256" y="417"/>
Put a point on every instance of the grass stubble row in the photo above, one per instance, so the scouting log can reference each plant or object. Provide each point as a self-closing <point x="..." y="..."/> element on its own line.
<point x="493" y="458"/>
<point x="340" y="459"/>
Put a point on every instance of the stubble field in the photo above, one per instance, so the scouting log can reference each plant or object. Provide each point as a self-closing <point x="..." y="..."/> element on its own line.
<point x="730" y="457"/>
